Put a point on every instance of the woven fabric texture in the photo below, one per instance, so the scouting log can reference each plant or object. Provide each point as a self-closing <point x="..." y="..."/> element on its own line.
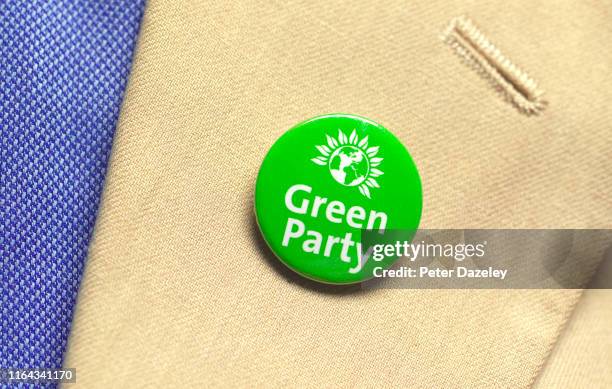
<point x="583" y="356"/>
<point x="180" y="289"/>
<point x="63" y="70"/>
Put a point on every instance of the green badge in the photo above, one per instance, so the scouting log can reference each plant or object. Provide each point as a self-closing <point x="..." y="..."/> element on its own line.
<point x="324" y="182"/>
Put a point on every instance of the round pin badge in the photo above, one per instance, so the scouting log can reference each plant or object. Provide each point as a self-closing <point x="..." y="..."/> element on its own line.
<point x="324" y="184"/>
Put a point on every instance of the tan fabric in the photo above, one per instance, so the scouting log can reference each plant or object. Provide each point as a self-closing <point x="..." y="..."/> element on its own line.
<point x="180" y="290"/>
<point x="583" y="356"/>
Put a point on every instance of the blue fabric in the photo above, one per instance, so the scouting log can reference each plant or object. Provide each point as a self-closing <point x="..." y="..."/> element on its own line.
<point x="63" y="70"/>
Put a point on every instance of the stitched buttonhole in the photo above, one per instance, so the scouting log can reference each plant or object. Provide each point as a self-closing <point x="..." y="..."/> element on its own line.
<point x="475" y="49"/>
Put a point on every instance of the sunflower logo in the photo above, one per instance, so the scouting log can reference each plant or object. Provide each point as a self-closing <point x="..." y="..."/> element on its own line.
<point x="350" y="161"/>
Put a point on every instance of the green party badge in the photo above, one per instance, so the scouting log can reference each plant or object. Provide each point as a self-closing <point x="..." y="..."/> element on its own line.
<point x="326" y="181"/>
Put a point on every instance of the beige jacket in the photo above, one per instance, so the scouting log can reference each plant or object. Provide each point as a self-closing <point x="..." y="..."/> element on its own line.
<point x="180" y="290"/>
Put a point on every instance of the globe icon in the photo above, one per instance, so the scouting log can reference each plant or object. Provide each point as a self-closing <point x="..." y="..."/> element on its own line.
<point x="349" y="165"/>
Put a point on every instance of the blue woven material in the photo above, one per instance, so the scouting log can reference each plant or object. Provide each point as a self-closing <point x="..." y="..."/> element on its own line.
<point x="63" y="70"/>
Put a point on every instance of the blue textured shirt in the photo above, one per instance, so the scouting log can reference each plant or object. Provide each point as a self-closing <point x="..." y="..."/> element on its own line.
<point x="63" y="70"/>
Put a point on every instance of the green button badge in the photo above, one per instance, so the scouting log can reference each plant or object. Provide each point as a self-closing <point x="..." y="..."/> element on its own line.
<point x="325" y="181"/>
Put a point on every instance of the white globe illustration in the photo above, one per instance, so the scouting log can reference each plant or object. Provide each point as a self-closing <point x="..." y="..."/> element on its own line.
<point x="349" y="165"/>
